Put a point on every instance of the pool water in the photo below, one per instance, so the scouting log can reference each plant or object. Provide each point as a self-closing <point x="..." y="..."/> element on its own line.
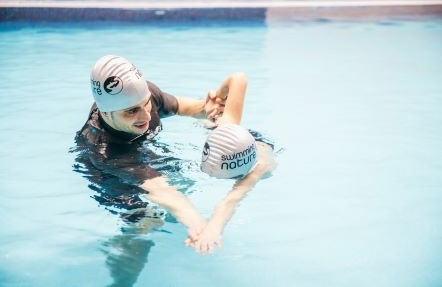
<point x="355" y="110"/>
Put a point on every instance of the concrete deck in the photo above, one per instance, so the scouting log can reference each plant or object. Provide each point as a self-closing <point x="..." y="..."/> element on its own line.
<point x="173" y="10"/>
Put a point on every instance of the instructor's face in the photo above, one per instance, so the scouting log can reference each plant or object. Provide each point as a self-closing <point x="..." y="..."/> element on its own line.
<point x="133" y="120"/>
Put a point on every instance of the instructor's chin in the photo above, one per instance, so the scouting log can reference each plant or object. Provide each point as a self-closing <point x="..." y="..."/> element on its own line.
<point x="140" y="129"/>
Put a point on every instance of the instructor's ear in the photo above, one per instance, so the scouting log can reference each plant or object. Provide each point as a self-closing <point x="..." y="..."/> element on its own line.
<point x="105" y="114"/>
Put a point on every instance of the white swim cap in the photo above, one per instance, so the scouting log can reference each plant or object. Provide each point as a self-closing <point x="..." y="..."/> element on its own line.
<point x="117" y="84"/>
<point x="229" y="152"/>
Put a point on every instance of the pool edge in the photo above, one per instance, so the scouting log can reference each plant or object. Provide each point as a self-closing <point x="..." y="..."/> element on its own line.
<point x="269" y="12"/>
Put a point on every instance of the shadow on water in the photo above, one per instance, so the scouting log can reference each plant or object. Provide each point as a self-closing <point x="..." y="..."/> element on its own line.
<point x="127" y="252"/>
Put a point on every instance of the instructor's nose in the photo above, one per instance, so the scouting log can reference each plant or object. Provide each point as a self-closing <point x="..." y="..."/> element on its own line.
<point x="145" y="114"/>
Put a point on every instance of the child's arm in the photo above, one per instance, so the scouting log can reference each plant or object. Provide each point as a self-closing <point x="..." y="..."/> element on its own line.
<point x="233" y="91"/>
<point x="211" y="234"/>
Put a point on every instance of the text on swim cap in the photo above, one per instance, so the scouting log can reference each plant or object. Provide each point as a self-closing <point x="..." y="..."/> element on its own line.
<point x="238" y="159"/>
<point x="96" y="86"/>
<point x="138" y="73"/>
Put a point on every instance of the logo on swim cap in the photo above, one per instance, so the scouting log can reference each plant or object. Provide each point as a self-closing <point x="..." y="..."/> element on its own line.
<point x="206" y="152"/>
<point x="113" y="85"/>
<point x="116" y="84"/>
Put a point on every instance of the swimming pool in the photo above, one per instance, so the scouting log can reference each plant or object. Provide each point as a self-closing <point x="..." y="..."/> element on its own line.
<point x="355" y="201"/>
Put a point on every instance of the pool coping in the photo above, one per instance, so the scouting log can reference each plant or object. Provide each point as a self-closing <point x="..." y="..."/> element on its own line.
<point x="267" y="11"/>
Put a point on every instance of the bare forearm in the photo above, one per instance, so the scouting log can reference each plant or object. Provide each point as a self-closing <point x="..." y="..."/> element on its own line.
<point x="191" y="107"/>
<point x="233" y="90"/>
<point x="221" y="215"/>
<point x="181" y="208"/>
<point x="158" y="191"/>
<point x="225" y="209"/>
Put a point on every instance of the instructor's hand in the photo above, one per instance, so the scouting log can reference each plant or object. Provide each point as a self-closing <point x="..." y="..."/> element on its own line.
<point x="214" y="106"/>
<point x="207" y="239"/>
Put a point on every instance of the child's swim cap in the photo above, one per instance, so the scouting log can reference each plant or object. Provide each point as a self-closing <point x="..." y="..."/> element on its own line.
<point x="117" y="84"/>
<point x="229" y="152"/>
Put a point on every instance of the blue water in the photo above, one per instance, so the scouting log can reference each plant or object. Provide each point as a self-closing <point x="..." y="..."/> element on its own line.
<point x="355" y="201"/>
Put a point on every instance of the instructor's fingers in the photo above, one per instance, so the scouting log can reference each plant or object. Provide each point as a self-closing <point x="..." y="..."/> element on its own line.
<point x="213" y="113"/>
<point x="210" y="248"/>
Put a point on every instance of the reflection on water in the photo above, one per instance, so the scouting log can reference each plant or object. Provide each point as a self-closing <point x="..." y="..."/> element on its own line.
<point x="115" y="180"/>
<point x="127" y="252"/>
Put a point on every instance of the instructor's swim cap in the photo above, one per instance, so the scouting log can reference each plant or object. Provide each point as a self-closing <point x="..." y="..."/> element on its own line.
<point x="117" y="84"/>
<point x="229" y="152"/>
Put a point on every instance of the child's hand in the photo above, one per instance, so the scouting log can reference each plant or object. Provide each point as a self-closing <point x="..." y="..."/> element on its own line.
<point x="207" y="240"/>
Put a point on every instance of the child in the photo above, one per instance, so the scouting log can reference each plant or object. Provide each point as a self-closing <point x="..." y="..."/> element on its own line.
<point x="230" y="151"/>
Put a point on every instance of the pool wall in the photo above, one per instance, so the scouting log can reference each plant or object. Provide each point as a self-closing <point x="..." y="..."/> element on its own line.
<point x="184" y="11"/>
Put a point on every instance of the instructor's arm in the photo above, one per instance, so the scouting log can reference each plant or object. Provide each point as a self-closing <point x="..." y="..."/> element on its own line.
<point x="213" y="106"/>
<point x="159" y="191"/>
